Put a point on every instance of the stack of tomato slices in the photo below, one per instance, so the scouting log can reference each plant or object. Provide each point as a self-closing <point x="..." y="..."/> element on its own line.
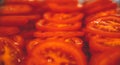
<point x="103" y="34"/>
<point x="13" y="17"/>
<point x="59" y="32"/>
<point x="62" y="24"/>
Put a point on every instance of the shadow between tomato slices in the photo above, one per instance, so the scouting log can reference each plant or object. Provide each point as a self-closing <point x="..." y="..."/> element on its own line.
<point x="55" y="52"/>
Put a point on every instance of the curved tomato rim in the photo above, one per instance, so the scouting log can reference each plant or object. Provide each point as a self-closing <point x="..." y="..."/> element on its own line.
<point x="67" y="8"/>
<point x="95" y="46"/>
<point x="32" y="44"/>
<point x="78" y="17"/>
<point x="90" y="29"/>
<point x="80" y="58"/>
<point x="18" y="20"/>
<point x="75" y="40"/>
<point x="100" y="14"/>
<point x="40" y="26"/>
<point x="47" y="34"/>
<point x="89" y="10"/>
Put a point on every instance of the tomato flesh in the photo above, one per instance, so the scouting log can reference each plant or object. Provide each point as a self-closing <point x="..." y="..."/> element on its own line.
<point x="9" y="53"/>
<point x="109" y="25"/>
<point x="57" y="53"/>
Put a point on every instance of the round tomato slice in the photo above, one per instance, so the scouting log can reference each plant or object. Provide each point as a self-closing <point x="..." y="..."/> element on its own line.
<point x="63" y="17"/>
<point x="111" y="58"/>
<point x="105" y="26"/>
<point x="9" y="53"/>
<point x="55" y="52"/>
<point x="41" y="34"/>
<point x="43" y="25"/>
<point x="103" y="44"/>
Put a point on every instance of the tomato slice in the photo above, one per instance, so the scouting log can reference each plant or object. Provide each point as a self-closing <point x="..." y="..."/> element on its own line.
<point x="63" y="17"/>
<point x="41" y="34"/>
<point x="64" y="6"/>
<point x="10" y="30"/>
<point x="17" y="20"/>
<point x="73" y="40"/>
<point x="111" y="58"/>
<point x="55" y="52"/>
<point x="9" y="53"/>
<point x="15" y="9"/>
<point x="43" y="25"/>
<point x="100" y="14"/>
<point x="103" y="44"/>
<point x="105" y="26"/>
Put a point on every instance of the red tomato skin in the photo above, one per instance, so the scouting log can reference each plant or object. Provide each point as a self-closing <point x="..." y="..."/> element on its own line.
<point x="48" y="34"/>
<point x="4" y="31"/>
<point x="17" y="20"/>
<point x="97" y="6"/>
<point x="51" y="17"/>
<point x="64" y="6"/>
<point x="15" y="9"/>
<point x="35" y="3"/>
